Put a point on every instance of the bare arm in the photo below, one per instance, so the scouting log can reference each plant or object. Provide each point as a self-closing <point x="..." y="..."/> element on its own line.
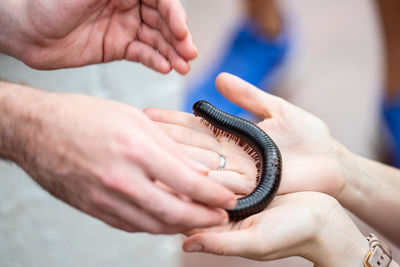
<point x="107" y="160"/>
<point x="372" y="192"/>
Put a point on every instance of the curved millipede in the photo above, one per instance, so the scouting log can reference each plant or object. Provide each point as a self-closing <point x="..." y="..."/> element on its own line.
<point x="255" y="142"/>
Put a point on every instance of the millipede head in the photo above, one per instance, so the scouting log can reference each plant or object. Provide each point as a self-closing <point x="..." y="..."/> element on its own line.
<point x="197" y="106"/>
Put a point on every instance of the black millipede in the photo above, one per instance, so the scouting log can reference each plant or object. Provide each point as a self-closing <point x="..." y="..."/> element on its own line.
<point x="259" y="145"/>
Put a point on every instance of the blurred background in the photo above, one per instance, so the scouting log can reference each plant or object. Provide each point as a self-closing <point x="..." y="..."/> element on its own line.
<point x="329" y="61"/>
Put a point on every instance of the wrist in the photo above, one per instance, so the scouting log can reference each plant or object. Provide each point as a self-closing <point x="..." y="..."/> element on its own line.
<point x="348" y="166"/>
<point x="345" y="253"/>
<point x="18" y="119"/>
<point x="7" y="119"/>
<point x="339" y="242"/>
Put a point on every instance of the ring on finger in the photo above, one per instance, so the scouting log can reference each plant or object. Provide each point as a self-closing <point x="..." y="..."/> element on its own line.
<point x="222" y="163"/>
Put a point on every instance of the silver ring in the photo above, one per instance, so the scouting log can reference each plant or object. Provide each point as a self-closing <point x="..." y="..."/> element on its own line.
<point x="222" y="162"/>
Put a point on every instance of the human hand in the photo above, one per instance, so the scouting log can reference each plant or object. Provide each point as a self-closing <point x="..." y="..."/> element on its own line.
<point x="307" y="224"/>
<point x="49" y="34"/>
<point x="310" y="155"/>
<point x="109" y="160"/>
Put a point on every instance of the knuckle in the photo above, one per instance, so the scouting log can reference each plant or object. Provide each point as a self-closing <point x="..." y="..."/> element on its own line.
<point x="134" y="153"/>
<point x="220" y="250"/>
<point x="134" y="55"/>
<point x="112" y="181"/>
<point x="128" y="229"/>
<point x="177" y="219"/>
<point x="130" y="148"/>
<point x="191" y="187"/>
<point x="118" y="183"/>
<point x="281" y="101"/>
<point x="157" y="230"/>
<point x="100" y="199"/>
<point x="280" y="105"/>
<point x="171" y="54"/>
<point x="34" y="59"/>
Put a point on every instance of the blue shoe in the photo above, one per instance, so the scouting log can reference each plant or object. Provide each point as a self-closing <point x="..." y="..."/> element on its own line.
<point x="391" y="115"/>
<point x="251" y="56"/>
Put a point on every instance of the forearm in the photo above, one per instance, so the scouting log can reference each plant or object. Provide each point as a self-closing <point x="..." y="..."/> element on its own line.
<point x="372" y="193"/>
<point x="17" y="119"/>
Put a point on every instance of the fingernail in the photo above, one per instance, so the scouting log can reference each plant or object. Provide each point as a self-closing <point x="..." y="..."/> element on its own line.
<point x="194" y="248"/>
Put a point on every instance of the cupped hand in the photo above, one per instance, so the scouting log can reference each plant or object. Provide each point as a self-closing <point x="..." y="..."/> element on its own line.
<point x="51" y="34"/>
<point x="110" y="161"/>
<point x="307" y="224"/>
<point x="310" y="155"/>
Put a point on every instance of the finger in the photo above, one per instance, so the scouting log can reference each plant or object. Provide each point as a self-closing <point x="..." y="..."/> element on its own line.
<point x="236" y="243"/>
<point x="204" y="148"/>
<point x="169" y="209"/>
<point x="163" y="165"/>
<point x="208" y="151"/>
<point x="184" y="180"/>
<point x="173" y="13"/>
<point x="109" y="219"/>
<point x="214" y="229"/>
<point x="158" y="42"/>
<point x="169" y="145"/>
<point x="234" y="181"/>
<point x="118" y="34"/>
<point x="129" y="215"/>
<point x="185" y="47"/>
<point x="204" y="156"/>
<point x="140" y="52"/>
<point x="187" y="136"/>
<point x="248" y="96"/>
<point x="117" y="223"/>
<point x="178" y="118"/>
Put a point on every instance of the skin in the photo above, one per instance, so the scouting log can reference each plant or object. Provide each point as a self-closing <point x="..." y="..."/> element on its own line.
<point x="107" y="160"/>
<point x="289" y="126"/>
<point x="312" y="160"/>
<point x="51" y="34"/>
<point x="104" y="158"/>
<point x="322" y="231"/>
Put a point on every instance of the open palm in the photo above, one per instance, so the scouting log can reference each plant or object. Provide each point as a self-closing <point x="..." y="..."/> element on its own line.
<point x="310" y="160"/>
<point x="73" y="33"/>
<point x="307" y="224"/>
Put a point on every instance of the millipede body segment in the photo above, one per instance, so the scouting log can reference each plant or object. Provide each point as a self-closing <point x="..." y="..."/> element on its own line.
<point x="259" y="145"/>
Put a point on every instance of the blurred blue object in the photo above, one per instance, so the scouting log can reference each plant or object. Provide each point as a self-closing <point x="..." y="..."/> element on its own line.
<point x="391" y="115"/>
<point x="250" y="55"/>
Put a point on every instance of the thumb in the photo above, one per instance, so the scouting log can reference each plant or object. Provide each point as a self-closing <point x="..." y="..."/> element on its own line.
<point x="248" y="96"/>
<point x="235" y="243"/>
